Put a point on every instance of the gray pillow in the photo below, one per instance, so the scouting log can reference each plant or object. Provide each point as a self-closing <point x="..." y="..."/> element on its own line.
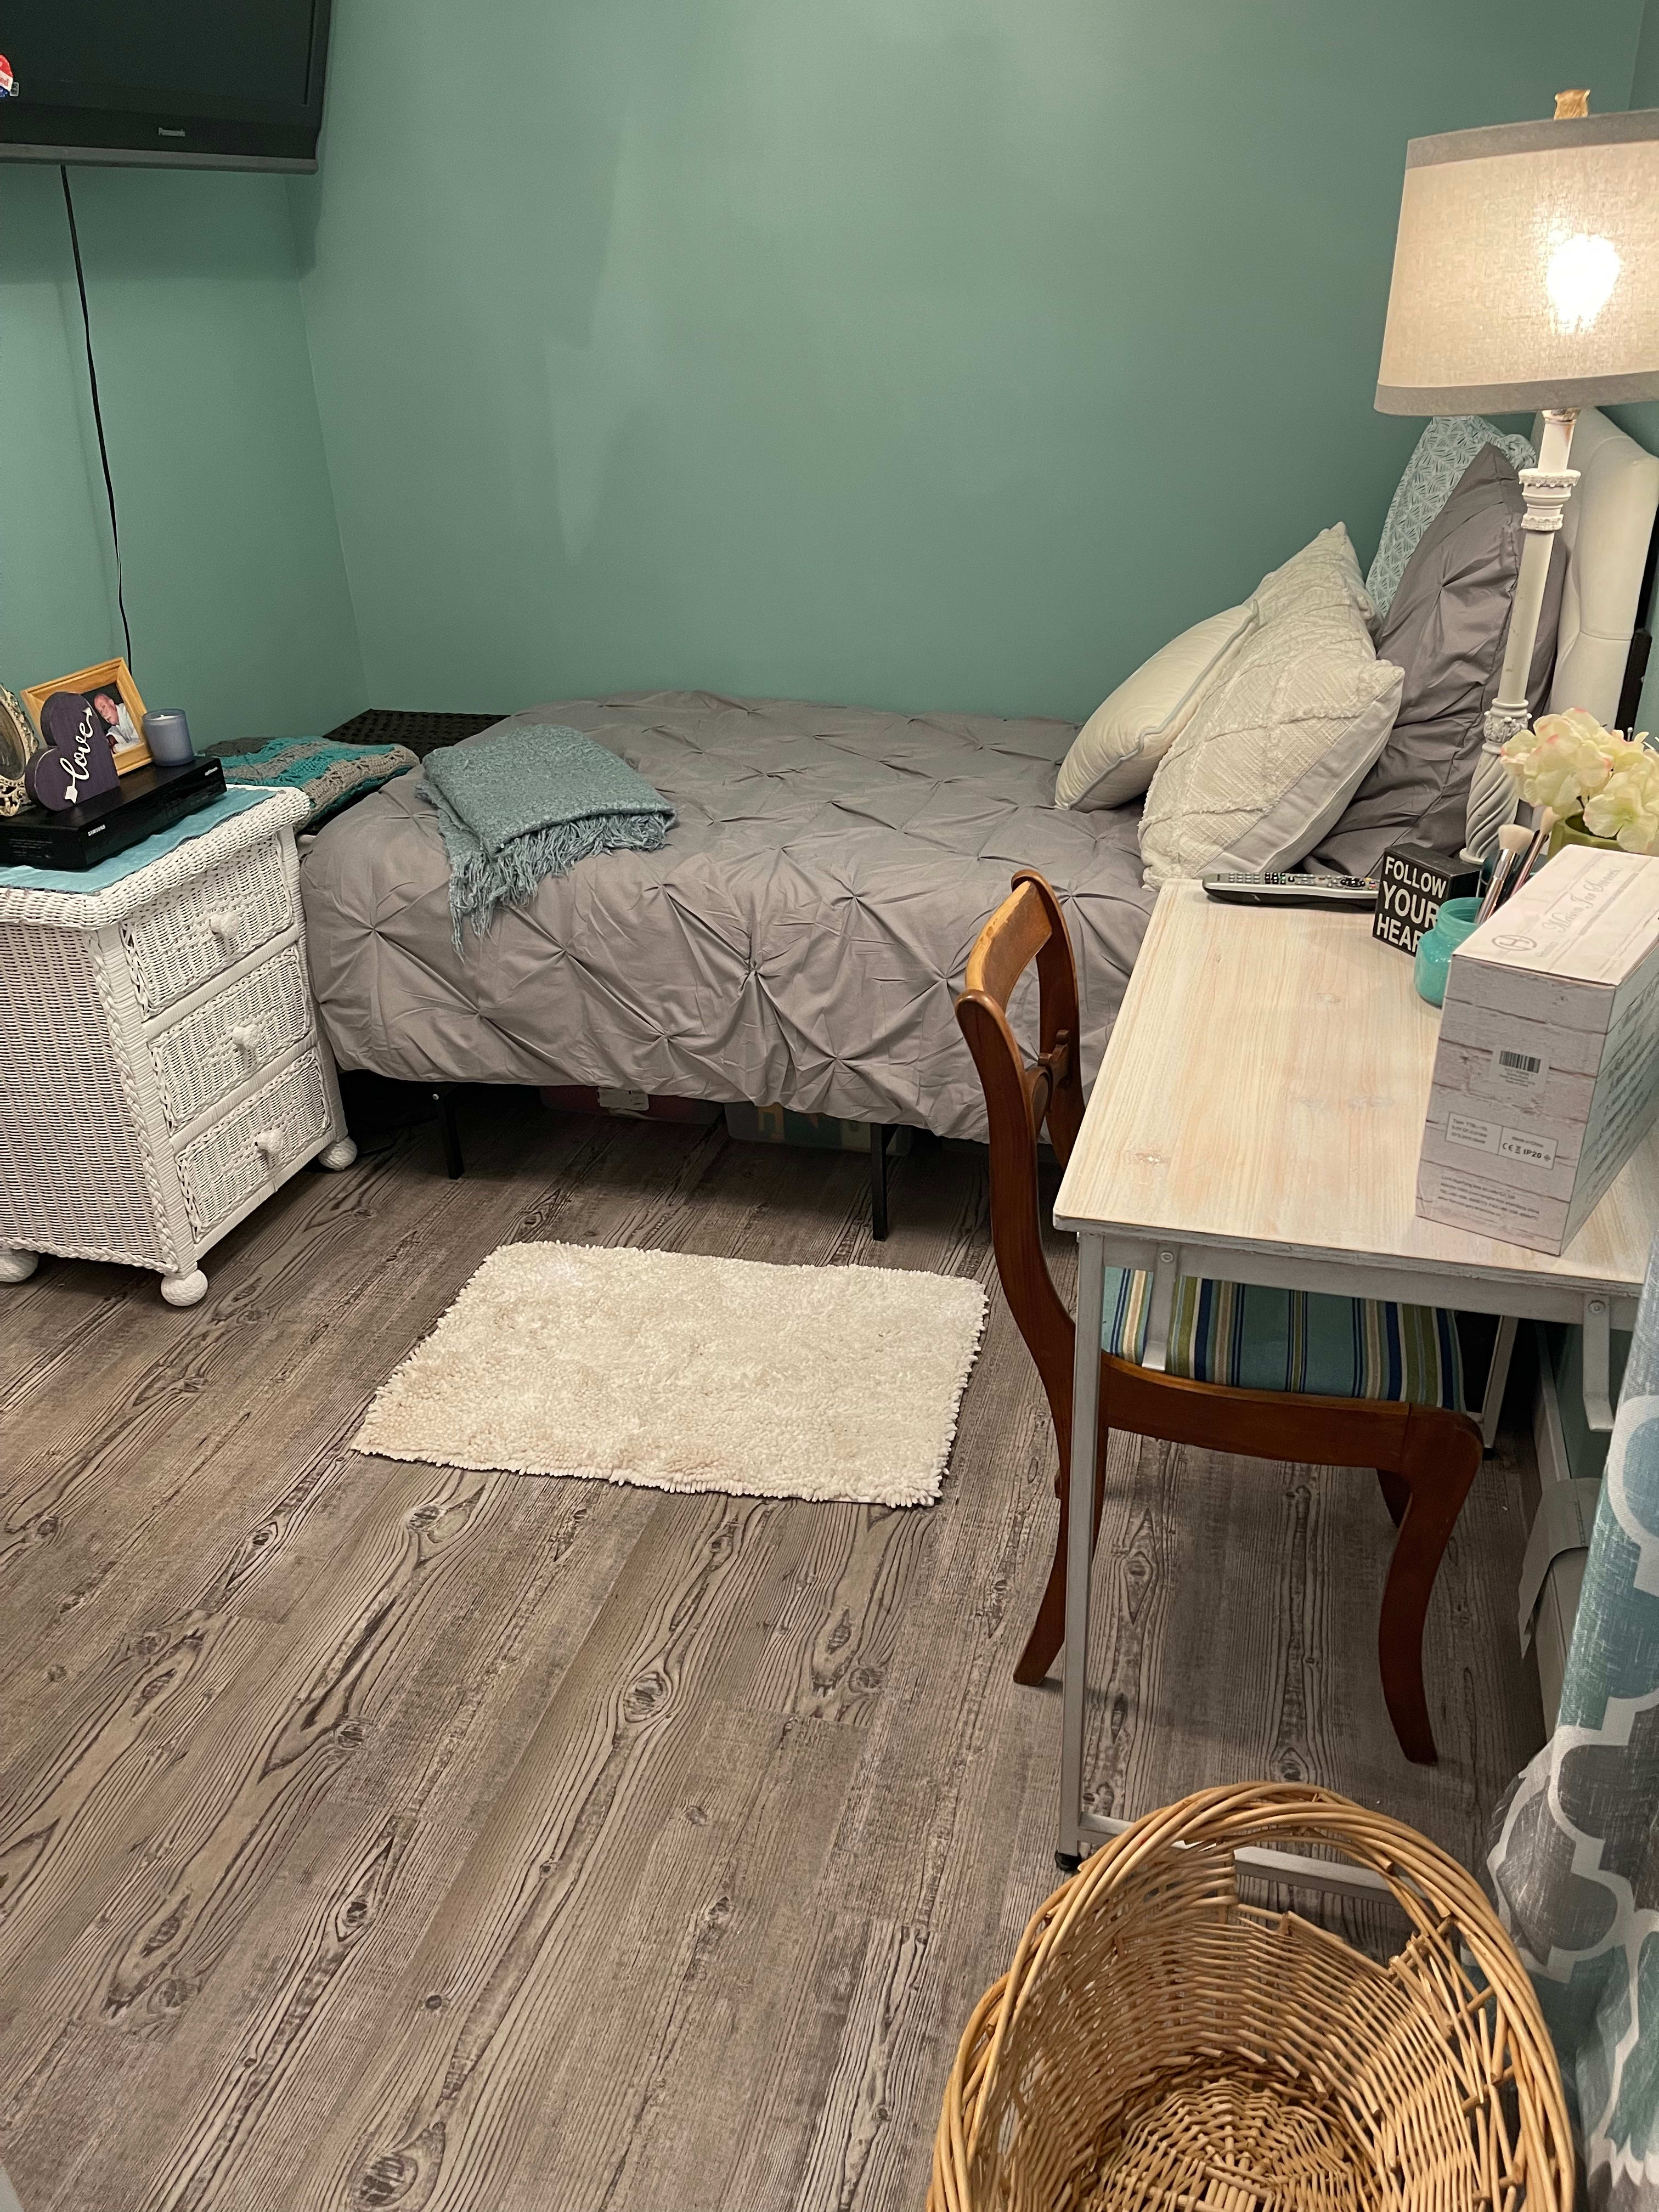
<point x="1446" y="629"/>
<point x="1448" y="444"/>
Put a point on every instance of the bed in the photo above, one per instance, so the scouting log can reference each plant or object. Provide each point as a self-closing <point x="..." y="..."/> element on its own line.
<point x="800" y="939"/>
<point x="798" y="942"/>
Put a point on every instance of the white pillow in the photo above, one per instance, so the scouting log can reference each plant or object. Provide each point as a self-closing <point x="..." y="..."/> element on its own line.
<point x="1114" y="754"/>
<point x="1276" y="748"/>
<point x="1325" y="568"/>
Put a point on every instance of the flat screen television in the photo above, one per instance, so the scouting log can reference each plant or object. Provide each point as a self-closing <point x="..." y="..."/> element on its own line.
<point x="206" y="84"/>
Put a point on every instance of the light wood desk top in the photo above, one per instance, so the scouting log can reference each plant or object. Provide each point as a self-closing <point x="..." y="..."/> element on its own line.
<point x="1263" y="1096"/>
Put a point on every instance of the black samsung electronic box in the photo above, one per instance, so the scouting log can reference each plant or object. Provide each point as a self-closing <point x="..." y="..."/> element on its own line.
<point x="145" y="800"/>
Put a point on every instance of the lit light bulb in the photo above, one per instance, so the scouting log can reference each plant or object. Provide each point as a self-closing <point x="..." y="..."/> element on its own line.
<point x="1579" y="278"/>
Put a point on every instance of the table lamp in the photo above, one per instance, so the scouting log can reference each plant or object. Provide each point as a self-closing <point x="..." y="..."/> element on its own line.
<point x="1526" y="276"/>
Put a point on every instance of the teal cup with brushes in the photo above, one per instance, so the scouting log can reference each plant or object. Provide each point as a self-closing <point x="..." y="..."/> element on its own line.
<point x="1456" y="921"/>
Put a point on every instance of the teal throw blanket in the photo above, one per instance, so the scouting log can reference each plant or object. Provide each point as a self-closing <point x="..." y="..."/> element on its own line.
<point x="531" y="801"/>
<point x="330" y="775"/>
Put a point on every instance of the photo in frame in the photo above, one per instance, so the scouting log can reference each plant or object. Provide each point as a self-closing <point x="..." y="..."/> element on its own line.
<point x="110" y="691"/>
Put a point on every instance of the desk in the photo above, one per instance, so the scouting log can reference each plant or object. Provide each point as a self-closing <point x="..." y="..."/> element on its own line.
<point x="1257" y="1119"/>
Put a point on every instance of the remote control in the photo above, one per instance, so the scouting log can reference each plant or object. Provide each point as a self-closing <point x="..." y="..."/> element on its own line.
<point x="1355" y="894"/>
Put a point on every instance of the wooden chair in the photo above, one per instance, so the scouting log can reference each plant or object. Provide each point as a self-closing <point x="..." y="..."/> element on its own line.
<point x="1426" y="1456"/>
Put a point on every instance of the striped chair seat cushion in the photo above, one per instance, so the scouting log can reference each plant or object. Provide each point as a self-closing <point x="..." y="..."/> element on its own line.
<point x="1260" y="1340"/>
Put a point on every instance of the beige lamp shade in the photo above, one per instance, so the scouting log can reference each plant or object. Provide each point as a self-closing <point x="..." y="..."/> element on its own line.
<point x="1526" y="270"/>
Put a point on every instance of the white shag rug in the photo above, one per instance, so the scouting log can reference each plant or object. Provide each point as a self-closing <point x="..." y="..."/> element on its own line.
<point x="683" y="1373"/>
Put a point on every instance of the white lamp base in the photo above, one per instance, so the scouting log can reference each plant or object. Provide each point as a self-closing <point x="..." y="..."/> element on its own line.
<point x="1494" y="796"/>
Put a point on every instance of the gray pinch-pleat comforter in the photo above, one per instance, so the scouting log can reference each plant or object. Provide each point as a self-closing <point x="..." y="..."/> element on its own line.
<point x="799" y="940"/>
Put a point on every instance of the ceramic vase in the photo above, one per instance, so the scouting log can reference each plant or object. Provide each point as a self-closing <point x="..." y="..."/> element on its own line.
<point x="1573" y="832"/>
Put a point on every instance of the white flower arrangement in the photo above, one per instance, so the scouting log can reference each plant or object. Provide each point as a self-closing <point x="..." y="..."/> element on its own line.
<point x="1594" y="779"/>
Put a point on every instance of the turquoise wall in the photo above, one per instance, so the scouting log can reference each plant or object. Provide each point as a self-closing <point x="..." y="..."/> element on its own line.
<point x="234" y="581"/>
<point x="929" y="352"/>
<point x="910" y="351"/>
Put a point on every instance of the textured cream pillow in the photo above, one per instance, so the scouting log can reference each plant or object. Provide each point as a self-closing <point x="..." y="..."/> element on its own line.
<point x="1325" y="568"/>
<point x="1276" y="748"/>
<point x="1114" y="754"/>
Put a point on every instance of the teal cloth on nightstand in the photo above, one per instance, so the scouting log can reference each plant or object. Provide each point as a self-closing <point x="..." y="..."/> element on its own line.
<point x="122" y="865"/>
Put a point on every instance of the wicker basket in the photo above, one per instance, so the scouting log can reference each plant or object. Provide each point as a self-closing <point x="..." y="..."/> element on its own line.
<point x="1156" y="2042"/>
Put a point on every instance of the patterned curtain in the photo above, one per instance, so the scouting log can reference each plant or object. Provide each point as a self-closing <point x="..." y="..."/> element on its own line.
<point x="1575" y="1863"/>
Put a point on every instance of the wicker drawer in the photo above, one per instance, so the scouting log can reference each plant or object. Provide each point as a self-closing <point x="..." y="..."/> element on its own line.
<point x="256" y="1144"/>
<point x="204" y="1057"/>
<point x="224" y="913"/>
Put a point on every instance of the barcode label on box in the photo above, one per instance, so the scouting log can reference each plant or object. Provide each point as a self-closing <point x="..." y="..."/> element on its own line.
<point x="1517" y="1070"/>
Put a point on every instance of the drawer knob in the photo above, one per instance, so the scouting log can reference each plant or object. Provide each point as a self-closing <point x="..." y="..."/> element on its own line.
<point x="222" y="923"/>
<point x="245" y="1036"/>
<point x="269" y="1143"/>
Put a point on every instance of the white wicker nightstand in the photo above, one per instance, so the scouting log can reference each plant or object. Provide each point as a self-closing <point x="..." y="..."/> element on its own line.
<point x="162" y="1071"/>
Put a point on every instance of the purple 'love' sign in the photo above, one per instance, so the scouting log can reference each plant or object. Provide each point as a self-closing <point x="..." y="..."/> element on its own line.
<point x="77" y="763"/>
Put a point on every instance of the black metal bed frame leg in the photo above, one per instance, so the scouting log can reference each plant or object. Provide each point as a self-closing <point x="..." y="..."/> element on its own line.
<point x="879" y="1135"/>
<point x="443" y="1098"/>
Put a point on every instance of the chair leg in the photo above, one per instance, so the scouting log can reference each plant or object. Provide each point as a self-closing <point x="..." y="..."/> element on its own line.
<point x="1396" y="1493"/>
<point x="1049" y="1629"/>
<point x="1438" y="1476"/>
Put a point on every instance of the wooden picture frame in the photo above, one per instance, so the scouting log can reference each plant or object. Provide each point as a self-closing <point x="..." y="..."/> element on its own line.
<point x="113" y="677"/>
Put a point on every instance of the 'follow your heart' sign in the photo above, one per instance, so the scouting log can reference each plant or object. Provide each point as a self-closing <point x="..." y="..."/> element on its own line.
<point x="77" y="763"/>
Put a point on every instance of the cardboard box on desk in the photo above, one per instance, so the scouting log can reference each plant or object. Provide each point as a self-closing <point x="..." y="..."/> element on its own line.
<point x="1547" y="1074"/>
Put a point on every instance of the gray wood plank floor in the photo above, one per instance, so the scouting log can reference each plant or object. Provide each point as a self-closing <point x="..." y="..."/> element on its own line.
<point x="383" y="1835"/>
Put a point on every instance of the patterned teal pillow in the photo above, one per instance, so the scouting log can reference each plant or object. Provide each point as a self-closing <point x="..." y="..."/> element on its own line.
<point x="1432" y="474"/>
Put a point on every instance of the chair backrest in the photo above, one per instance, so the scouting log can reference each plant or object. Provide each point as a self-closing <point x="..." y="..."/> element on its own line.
<point x="1020" y="1096"/>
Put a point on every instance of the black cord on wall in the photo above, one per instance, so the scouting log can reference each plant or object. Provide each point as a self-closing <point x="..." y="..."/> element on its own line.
<point x="97" y="411"/>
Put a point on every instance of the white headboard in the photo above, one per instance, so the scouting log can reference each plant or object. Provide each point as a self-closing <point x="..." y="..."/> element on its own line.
<point x="1605" y="530"/>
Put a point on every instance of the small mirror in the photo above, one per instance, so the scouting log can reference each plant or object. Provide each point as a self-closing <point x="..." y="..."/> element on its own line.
<point x="17" y="738"/>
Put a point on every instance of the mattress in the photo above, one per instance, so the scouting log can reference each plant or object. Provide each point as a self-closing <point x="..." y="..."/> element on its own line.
<point x="798" y="941"/>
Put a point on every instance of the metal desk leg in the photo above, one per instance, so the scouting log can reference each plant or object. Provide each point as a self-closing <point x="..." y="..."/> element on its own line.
<point x="1598" y="1395"/>
<point x="1161" y="1309"/>
<point x="1079" y="1524"/>
<point x="1492" y="1404"/>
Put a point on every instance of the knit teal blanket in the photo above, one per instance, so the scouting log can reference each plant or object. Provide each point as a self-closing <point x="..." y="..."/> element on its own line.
<point x="530" y="802"/>
<point x="330" y="775"/>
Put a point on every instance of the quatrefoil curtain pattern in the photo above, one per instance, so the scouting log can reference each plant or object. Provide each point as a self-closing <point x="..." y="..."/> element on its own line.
<point x="1574" y="1865"/>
